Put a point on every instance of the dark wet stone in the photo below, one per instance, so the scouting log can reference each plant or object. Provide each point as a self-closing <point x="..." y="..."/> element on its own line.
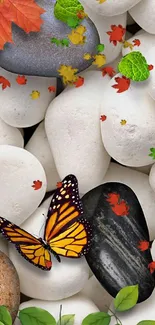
<point x="33" y="54"/>
<point x="114" y="256"/>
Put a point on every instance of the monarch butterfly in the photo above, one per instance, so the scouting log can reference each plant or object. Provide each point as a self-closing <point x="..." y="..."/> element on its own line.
<point x="65" y="233"/>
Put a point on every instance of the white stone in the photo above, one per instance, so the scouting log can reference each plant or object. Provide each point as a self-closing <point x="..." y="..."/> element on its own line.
<point x="38" y="145"/>
<point x="78" y="305"/>
<point x="143" y="13"/>
<point x="3" y="245"/>
<point x="112" y="7"/>
<point x="152" y="177"/>
<point x="64" y="279"/>
<point x="10" y="135"/>
<point x="73" y="130"/>
<point x="147" y="41"/>
<point x="17" y="108"/>
<point x="94" y="291"/>
<point x="151" y="59"/>
<point x="103" y="25"/>
<point x="19" y="169"/>
<point x="128" y="144"/>
<point x="143" y="169"/>
<point x="139" y="183"/>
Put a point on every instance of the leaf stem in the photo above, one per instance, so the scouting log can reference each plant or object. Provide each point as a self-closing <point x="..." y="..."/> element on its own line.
<point x="114" y="315"/>
<point x="60" y="314"/>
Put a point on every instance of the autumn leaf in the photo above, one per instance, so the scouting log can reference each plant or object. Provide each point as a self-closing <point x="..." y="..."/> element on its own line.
<point x="99" y="60"/>
<point x="5" y="82"/>
<point x="122" y="85"/>
<point x="59" y="184"/>
<point x="150" y="67"/>
<point x="109" y="71"/>
<point x="103" y="118"/>
<point x="87" y="56"/>
<point x="116" y="34"/>
<point x="76" y="36"/>
<point x="101" y="1"/>
<point x="37" y="185"/>
<point x="79" y="82"/>
<point x="151" y="267"/>
<point x="127" y="44"/>
<point x="123" y="122"/>
<point x="81" y="14"/>
<point x="52" y="89"/>
<point x="143" y="245"/>
<point x="136" y="42"/>
<point x="68" y="74"/>
<point x="35" y="94"/>
<point x="24" y="13"/>
<point x="21" y="80"/>
<point x="118" y="206"/>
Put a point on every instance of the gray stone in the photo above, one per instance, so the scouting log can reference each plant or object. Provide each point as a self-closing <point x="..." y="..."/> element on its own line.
<point x="33" y="54"/>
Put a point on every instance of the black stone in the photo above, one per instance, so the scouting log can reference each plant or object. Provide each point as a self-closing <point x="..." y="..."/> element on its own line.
<point x="114" y="256"/>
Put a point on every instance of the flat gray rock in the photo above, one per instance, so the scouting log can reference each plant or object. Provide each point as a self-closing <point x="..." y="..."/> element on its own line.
<point x="34" y="54"/>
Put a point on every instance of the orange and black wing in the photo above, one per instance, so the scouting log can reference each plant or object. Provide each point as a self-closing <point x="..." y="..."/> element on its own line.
<point x="31" y="248"/>
<point x="65" y="226"/>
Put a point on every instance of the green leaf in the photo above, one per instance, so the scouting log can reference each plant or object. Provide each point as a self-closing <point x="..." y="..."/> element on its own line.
<point x="152" y="154"/>
<point x="126" y="298"/>
<point x="55" y="41"/>
<point x="73" y="22"/>
<point x="134" y="66"/>
<point x="1" y="323"/>
<point x="36" y="316"/>
<point x="66" y="320"/>
<point x="147" y="322"/>
<point x="65" y="9"/>
<point x="100" y="48"/>
<point x="65" y="42"/>
<point x="5" y="316"/>
<point x="99" y="318"/>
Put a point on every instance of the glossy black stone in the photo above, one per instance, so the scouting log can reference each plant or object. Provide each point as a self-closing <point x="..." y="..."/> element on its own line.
<point x="118" y="225"/>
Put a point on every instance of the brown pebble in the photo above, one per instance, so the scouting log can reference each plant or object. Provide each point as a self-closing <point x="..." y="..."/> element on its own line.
<point x="9" y="286"/>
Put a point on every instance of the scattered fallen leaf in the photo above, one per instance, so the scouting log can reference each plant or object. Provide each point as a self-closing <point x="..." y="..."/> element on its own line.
<point x="103" y="118"/>
<point x="151" y="267"/>
<point x="24" y="13"/>
<point x="136" y="42"/>
<point x="52" y="89"/>
<point x="152" y="154"/>
<point x="35" y="94"/>
<point x="116" y="34"/>
<point x="68" y="74"/>
<point x="127" y="44"/>
<point x="122" y="85"/>
<point x="143" y="245"/>
<point x="64" y="42"/>
<point x="87" y="56"/>
<point x="134" y="66"/>
<point x="108" y="70"/>
<point x="101" y="1"/>
<point x="100" y="48"/>
<point x="81" y="14"/>
<point x="79" y="82"/>
<point x="59" y="185"/>
<point x="37" y="185"/>
<point x="55" y="40"/>
<point x="58" y="42"/>
<point x="123" y="122"/>
<point x="150" y="67"/>
<point x="5" y="82"/>
<point x="99" y="60"/>
<point x="118" y="206"/>
<point x="21" y="80"/>
<point x="76" y="36"/>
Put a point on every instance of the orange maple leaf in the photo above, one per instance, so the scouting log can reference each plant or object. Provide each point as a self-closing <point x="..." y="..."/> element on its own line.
<point x="150" y="67"/>
<point x="59" y="184"/>
<point x="52" y="89"/>
<point x="109" y="71"/>
<point x="103" y="118"/>
<point x="118" y="206"/>
<point x="79" y="82"/>
<point x="24" y="13"/>
<point x="143" y="245"/>
<point x="151" y="267"/>
<point x="116" y="34"/>
<point x="21" y="80"/>
<point x="5" y="82"/>
<point x="122" y="85"/>
<point x="37" y="185"/>
<point x="136" y="42"/>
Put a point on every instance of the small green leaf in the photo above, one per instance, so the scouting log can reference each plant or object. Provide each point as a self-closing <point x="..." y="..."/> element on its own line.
<point x="99" y="318"/>
<point x="55" y="41"/>
<point x="1" y="323"/>
<point x="126" y="298"/>
<point x="5" y="316"/>
<point x="100" y="48"/>
<point x="147" y="322"/>
<point x="65" y="9"/>
<point x="134" y="66"/>
<point x="36" y="316"/>
<point x="66" y="320"/>
<point x="65" y="42"/>
<point x="152" y="154"/>
<point x="73" y="22"/>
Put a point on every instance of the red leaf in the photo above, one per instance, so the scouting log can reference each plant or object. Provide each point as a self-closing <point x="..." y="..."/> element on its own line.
<point x="136" y="42"/>
<point x="103" y="118"/>
<point x="37" y="185"/>
<point x="143" y="245"/>
<point x="118" y="206"/>
<point x="122" y="85"/>
<point x="108" y="70"/>
<point x="150" y="67"/>
<point x="24" y="13"/>
<point x="151" y="267"/>
<point x="59" y="184"/>
<point x="5" y="82"/>
<point x="21" y="80"/>
<point x="52" y="89"/>
<point x="116" y="34"/>
<point x="79" y="82"/>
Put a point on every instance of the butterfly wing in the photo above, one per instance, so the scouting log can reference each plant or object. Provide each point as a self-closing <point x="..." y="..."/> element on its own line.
<point x="64" y="232"/>
<point x="31" y="248"/>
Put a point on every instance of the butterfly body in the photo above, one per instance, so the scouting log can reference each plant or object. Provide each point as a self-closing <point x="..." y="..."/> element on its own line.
<point x="66" y="233"/>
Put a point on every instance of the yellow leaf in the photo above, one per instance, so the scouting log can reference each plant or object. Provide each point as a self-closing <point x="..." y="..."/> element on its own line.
<point x="101" y="1"/>
<point x="127" y="44"/>
<point x="35" y="94"/>
<point x="87" y="56"/>
<point x="99" y="60"/>
<point x="80" y="29"/>
<point x="123" y="122"/>
<point x="76" y="36"/>
<point x="68" y="74"/>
